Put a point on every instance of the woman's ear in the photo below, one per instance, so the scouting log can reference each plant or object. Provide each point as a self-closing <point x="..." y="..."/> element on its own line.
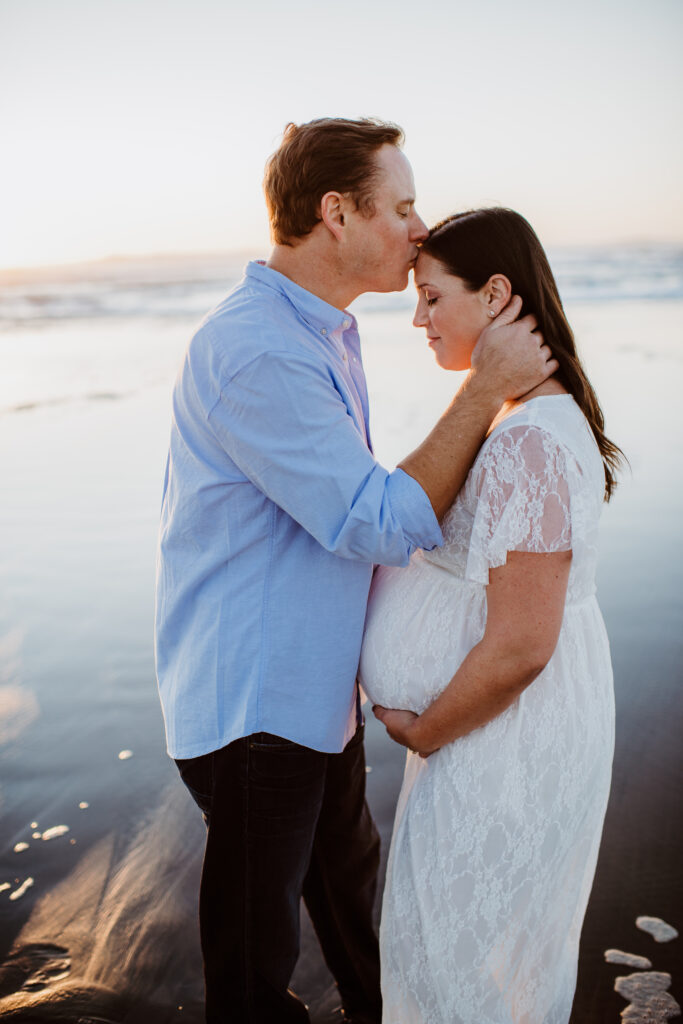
<point x="496" y="294"/>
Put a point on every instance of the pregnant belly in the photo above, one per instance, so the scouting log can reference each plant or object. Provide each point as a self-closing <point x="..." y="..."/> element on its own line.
<point x="422" y="621"/>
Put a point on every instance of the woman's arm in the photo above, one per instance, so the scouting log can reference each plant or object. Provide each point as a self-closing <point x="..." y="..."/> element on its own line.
<point x="525" y="600"/>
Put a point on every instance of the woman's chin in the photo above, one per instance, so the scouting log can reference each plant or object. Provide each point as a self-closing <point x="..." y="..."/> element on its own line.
<point x="452" y="364"/>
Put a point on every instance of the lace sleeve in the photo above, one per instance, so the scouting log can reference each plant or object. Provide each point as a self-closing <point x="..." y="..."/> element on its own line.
<point x="522" y="499"/>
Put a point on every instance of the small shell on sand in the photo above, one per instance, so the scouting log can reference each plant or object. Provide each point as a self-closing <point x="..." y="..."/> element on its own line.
<point x="649" y="1002"/>
<point x="125" y="754"/>
<point x="658" y="929"/>
<point x="55" y="831"/>
<point x="617" y="956"/>
<point x="18" y="893"/>
<point x="20" y="847"/>
<point x="84" y="805"/>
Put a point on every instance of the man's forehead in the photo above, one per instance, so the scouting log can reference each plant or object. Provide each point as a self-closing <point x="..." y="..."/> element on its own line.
<point x="396" y="173"/>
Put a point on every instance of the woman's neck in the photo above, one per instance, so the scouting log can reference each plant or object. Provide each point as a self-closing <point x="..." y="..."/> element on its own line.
<point x="551" y="386"/>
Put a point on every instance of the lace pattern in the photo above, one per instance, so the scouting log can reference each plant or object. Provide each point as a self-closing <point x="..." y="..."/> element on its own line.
<point x="496" y="835"/>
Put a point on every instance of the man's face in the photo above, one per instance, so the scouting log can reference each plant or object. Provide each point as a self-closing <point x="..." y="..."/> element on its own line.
<point x="379" y="251"/>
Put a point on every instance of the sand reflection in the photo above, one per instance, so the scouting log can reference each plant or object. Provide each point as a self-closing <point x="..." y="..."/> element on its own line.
<point x="112" y="938"/>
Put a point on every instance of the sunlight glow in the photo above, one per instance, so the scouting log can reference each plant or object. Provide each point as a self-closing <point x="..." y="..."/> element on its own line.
<point x="140" y="127"/>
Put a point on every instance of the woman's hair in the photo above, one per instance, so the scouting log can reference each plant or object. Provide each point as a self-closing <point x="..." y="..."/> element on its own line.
<point x="477" y="244"/>
<point x="330" y="154"/>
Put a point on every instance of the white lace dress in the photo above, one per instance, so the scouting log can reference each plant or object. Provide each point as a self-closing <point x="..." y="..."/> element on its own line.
<point x="496" y="835"/>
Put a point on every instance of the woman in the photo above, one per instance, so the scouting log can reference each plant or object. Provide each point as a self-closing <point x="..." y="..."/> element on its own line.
<point x="491" y="654"/>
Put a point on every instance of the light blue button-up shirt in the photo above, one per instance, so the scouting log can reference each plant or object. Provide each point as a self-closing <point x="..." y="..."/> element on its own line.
<point x="274" y="511"/>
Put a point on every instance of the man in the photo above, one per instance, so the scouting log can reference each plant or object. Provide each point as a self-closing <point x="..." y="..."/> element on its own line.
<point x="274" y="513"/>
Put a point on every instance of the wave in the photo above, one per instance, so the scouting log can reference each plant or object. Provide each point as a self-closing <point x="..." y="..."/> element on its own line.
<point x="188" y="287"/>
<point x="44" y="403"/>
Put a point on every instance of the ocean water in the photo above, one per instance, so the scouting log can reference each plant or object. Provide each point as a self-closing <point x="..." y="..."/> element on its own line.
<point x="112" y="328"/>
<point x="91" y="814"/>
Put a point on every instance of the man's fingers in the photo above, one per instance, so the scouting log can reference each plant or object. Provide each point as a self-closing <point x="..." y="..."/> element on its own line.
<point x="510" y="312"/>
<point x="529" y="321"/>
<point x="551" y="364"/>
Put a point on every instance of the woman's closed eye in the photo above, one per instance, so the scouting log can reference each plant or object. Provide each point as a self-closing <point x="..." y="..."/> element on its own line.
<point x="431" y="302"/>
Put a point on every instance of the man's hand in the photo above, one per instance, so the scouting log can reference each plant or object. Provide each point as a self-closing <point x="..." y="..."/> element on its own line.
<point x="509" y="359"/>
<point x="400" y="726"/>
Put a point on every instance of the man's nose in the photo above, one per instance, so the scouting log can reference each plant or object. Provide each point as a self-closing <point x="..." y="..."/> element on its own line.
<point x="419" y="230"/>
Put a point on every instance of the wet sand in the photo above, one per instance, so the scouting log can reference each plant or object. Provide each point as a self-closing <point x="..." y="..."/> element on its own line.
<point x="107" y="930"/>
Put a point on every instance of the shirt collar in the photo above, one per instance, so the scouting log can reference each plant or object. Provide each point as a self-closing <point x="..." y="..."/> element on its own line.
<point x="315" y="311"/>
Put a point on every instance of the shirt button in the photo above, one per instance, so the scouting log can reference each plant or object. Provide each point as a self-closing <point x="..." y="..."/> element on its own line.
<point x="345" y="358"/>
<point x="323" y="330"/>
<point x="347" y="323"/>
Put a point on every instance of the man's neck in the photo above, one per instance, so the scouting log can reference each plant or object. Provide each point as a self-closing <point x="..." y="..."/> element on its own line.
<point x="311" y="269"/>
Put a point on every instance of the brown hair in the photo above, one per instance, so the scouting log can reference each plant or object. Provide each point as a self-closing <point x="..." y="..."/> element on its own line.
<point x="477" y="244"/>
<point x="330" y="154"/>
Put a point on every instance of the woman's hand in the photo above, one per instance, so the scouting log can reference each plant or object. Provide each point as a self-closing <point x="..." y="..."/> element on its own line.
<point x="401" y="727"/>
<point x="525" y="604"/>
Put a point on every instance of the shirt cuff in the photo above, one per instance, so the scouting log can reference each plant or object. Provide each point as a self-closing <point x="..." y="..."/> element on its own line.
<point x="414" y="511"/>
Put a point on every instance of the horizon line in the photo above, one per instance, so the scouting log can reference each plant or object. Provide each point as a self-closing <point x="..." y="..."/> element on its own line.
<point x="250" y="252"/>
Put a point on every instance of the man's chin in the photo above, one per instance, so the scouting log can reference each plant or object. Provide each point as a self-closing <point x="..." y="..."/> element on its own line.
<point x="398" y="284"/>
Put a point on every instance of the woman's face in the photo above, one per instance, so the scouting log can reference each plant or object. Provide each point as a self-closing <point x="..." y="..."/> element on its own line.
<point x="453" y="316"/>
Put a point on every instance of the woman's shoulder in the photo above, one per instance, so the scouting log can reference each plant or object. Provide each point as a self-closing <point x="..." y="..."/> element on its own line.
<point x="543" y="429"/>
<point x="558" y="416"/>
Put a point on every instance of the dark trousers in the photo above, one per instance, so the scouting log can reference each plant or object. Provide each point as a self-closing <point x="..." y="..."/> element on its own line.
<point x="284" y="821"/>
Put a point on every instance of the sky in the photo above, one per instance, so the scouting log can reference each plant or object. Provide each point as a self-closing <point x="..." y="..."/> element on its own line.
<point x="138" y="126"/>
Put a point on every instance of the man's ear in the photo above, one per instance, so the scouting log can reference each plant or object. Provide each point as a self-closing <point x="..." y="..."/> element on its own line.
<point x="332" y="213"/>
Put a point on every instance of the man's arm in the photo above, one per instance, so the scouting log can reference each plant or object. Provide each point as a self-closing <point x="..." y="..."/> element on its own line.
<point x="287" y="430"/>
<point x="509" y="360"/>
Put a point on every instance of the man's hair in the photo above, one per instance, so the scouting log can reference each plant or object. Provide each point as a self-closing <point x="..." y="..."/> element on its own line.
<point x="330" y="154"/>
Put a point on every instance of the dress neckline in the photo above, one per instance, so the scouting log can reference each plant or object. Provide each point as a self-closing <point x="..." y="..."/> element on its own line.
<point x="537" y="398"/>
<point x="519" y="409"/>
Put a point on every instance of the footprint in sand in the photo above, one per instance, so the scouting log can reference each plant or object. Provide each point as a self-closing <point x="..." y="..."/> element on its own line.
<point x="649" y="1001"/>
<point x="658" y="929"/>
<point x="55" y="832"/>
<point x="34" y="967"/>
<point x="617" y="956"/>
<point x="27" y="992"/>
<point x="25" y="885"/>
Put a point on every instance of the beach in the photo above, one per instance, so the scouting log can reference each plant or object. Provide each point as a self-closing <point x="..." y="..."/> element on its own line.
<point x="101" y="846"/>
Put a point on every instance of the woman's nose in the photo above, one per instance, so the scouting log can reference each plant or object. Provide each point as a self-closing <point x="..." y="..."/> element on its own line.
<point x="420" y="319"/>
